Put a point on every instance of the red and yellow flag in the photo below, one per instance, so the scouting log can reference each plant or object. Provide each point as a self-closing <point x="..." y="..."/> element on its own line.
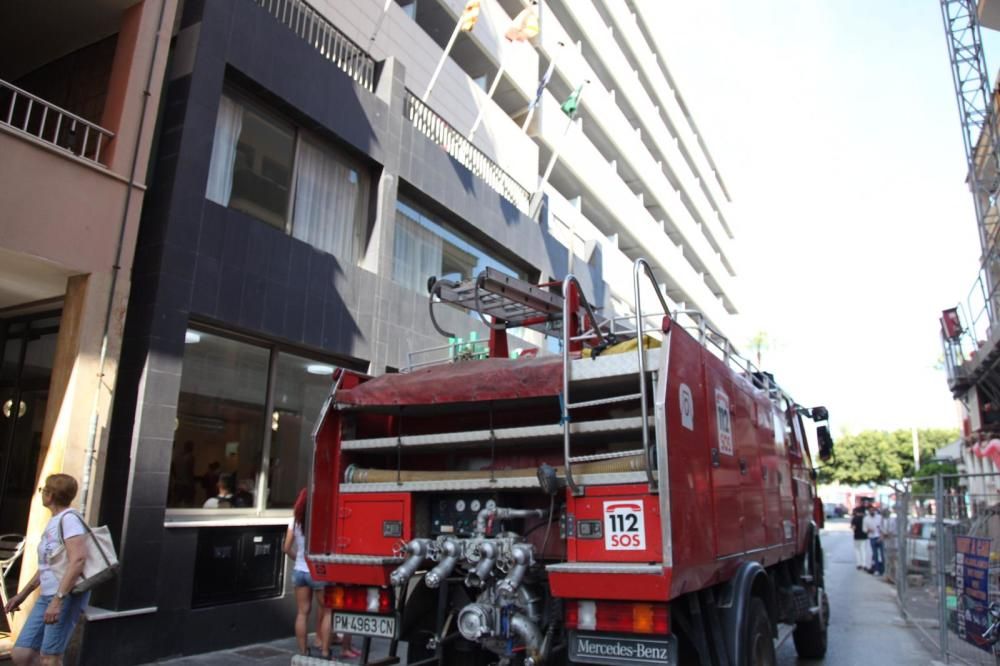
<point x="524" y="27"/>
<point x="467" y="21"/>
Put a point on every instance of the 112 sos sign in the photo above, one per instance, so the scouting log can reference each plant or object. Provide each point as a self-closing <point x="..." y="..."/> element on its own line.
<point x="624" y="525"/>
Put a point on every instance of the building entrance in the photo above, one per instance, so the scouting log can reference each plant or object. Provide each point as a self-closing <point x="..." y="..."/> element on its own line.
<point x="27" y="349"/>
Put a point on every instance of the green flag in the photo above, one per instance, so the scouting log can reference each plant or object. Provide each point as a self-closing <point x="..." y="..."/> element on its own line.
<point x="572" y="102"/>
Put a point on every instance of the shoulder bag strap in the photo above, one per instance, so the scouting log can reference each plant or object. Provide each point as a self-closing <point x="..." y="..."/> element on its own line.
<point x="86" y="527"/>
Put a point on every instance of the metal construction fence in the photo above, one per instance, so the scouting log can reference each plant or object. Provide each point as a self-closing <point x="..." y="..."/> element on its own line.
<point x="943" y="555"/>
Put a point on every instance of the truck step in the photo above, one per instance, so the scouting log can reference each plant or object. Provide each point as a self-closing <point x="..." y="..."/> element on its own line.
<point x="508" y="483"/>
<point x="606" y="568"/>
<point x="302" y="660"/>
<point x="606" y="456"/>
<point x="604" y="401"/>
<point x="505" y="436"/>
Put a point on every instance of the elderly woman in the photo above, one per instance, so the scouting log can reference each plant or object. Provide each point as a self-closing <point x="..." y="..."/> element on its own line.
<point x="50" y="624"/>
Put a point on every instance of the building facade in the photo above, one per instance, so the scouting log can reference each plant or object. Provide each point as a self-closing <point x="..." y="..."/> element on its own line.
<point x="79" y="94"/>
<point x="306" y="180"/>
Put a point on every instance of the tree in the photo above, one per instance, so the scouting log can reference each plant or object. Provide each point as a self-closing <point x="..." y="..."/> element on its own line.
<point x="880" y="456"/>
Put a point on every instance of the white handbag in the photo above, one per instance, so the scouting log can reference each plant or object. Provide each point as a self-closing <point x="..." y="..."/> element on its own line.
<point x="102" y="561"/>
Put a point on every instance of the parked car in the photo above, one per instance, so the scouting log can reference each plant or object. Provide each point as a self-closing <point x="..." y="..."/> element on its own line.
<point x="834" y="510"/>
<point x="922" y="542"/>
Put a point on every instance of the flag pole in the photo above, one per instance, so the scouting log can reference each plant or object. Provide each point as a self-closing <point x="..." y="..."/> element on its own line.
<point x="536" y="198"/>
<point x="489" y="96"/>
<point x="378" y="24"/>
<point x="541" y="88"/>
<point x="444" y="56"/>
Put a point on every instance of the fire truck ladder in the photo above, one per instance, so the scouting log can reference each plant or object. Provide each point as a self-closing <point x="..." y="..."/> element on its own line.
<point x="648" y="454"/>
<point x="511" y="303"/>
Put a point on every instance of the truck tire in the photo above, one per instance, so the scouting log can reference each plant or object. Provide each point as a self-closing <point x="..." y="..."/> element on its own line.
<point x="760" y="637"/>
<point x="810" y="637"/>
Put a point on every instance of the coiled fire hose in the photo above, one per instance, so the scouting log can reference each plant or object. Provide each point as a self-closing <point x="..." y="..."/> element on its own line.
<point x="355" y="474"/>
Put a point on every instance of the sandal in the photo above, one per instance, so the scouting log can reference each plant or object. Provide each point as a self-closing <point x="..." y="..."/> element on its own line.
<point x="349" y="653"/>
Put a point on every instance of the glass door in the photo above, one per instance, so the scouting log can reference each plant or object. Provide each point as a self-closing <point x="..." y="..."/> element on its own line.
<point x="28" y="349"/>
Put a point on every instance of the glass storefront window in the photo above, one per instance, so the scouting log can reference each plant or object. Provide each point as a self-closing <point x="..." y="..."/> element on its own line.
<point x="219" y="432"/>
<point x="228" y="423"/>
<point x="301" y="385"/>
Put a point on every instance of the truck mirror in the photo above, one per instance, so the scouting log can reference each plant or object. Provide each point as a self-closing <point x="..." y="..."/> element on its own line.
<point x="825" y="443"/>
<point x="820" y="414"/>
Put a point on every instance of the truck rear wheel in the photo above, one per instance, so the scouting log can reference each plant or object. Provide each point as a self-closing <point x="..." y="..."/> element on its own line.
<point x="810" y="637"/>
<point x="760" y="636"/>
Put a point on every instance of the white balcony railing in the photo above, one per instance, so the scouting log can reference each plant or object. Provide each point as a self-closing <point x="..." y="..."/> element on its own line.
<point x="28" y="114"/>
<point x="437" y="129"/>
<point x="316" y="30"/>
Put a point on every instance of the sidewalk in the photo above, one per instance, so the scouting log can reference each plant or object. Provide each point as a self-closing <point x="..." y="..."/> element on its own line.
<point x="275" y="653"/>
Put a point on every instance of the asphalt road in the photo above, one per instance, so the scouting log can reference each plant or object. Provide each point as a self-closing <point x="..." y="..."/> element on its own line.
<point x="865" y="624"/>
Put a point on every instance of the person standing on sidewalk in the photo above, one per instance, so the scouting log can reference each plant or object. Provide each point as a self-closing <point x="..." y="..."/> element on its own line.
<point x="873" y="528"/>
<point x="305" y="586"/>
<point x="860" y="539"/>
<point x="50" y="624"/>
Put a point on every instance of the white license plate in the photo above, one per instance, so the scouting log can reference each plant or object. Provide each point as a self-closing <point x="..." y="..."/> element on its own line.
<point x="383" y="626"/>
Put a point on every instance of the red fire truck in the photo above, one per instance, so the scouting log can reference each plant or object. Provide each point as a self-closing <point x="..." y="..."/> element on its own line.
<point x="646" y="496"/>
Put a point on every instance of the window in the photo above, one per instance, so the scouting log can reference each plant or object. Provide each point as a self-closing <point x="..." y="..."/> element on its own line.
<point x="251" y="167"/>
<point x="409" y="8"/>
<point x="265" y="167"/>
<point x="237" y="442"/>
<point x="424" y="247"/>
<point x="330" y="194"/>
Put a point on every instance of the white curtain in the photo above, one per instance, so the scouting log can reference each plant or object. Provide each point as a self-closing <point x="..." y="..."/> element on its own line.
<point x="417" y="253"/>
<point x="227" y="133"/>
<point x="327" y="200"/>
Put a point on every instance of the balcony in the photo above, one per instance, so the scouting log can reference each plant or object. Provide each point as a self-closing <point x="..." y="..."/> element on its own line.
<point x="33" y="117"/>
<point x="318" y="30"/>
<point x="72" y="79"/>
<point x="315" y="29"/>
<point x="610" y="132"/>
<point x="583" y="171"/>
<point x="437" y="129"/>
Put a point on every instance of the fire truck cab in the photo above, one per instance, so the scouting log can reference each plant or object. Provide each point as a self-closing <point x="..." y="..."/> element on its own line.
<point x="646" y="496"/>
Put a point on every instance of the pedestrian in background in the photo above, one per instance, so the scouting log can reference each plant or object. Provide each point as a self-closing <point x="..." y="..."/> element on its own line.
<point x="873" y="528"/>
<point x="50" y="624"/>
<point x="861" y="555"/>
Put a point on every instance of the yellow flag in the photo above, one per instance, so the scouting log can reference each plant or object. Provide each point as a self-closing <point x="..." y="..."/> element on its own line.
<point x="467" y="21"/>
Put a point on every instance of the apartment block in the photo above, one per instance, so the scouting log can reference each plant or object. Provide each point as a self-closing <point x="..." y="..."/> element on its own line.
<point x="312" y="166"/>
<point x="79" y="92"/>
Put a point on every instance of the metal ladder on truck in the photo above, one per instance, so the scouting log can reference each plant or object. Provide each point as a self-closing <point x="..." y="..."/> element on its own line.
<point x="513" y="303"/>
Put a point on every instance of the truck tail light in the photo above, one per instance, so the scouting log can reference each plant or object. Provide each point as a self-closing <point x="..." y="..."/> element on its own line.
<point x="358" y="599"/>
<point x="626" y="616"/>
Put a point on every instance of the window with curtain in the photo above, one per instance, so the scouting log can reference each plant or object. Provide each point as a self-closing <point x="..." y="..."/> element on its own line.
<point x="245" y="416"/>
<point x="251" y="165"/>
<point x="330" y="197"/>
<point x="256" y="158"/>
<point x="424" y="246"/>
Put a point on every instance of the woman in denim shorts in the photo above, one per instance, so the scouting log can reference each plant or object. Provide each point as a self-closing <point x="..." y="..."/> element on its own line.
<point x="305" y="586"/>
<point x="50" y="624"/>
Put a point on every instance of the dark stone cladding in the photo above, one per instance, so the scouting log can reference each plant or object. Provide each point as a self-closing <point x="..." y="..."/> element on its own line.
<point x="195" y="259"/>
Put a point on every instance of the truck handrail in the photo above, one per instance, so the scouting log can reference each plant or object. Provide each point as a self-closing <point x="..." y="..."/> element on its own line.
<point x="570" y="279"/>
<point x="642" y="266"/>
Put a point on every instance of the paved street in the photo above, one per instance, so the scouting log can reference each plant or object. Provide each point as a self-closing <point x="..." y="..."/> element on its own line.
<point x="865" y="621"/>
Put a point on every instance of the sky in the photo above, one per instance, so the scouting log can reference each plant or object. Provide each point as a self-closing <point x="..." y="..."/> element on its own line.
<point x="835" y="126"/>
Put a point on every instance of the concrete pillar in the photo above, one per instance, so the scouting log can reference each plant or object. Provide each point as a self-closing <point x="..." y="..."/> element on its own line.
<point x="71" y="406"/>
<point x="130" y="69"/>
